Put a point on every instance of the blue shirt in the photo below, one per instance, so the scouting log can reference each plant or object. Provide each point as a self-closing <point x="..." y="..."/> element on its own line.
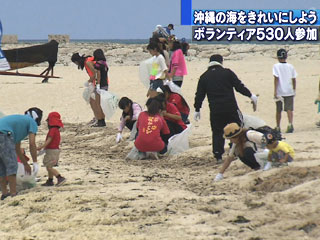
<point x="168" y="30"/>
<point x="20" y="126"/>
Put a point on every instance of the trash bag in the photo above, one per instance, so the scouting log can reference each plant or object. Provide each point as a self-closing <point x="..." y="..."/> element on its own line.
<point x="24" y="181"/>
<point x="109" y="103"/>
<point x="173" y="87"/>
<point x="144" y="72"/>
<point x="180" y="142"/>
<point x="88" y="92"/>
<point x="134" y="154"/>
<point x="252" y="122"/>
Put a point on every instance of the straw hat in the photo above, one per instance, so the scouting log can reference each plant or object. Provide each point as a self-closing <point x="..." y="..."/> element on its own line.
<point x="231" y="130"/>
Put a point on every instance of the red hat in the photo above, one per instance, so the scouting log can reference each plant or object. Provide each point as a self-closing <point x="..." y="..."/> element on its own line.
<point x="54" y="119"/>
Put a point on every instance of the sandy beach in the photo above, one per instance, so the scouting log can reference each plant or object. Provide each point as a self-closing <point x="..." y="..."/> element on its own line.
<point x="108" y="197"/>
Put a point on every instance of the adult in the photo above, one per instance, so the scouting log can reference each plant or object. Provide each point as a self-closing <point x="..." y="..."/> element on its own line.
<point x="87" y="63"/>
<point x="13" y="129"/>
<point x="178" y="67"/>
<point x="184" y="46"/>
<point x="218" y="83"/>
<point x="244" y="145"/>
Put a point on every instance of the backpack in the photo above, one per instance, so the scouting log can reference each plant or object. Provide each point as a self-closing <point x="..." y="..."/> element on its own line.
<point x="269" y="133"/>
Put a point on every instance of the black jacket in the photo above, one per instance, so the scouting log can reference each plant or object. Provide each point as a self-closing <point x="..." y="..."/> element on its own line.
<point x="218" y="83"/>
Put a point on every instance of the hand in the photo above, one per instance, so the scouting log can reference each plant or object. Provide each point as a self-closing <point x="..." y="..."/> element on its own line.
<point x="98" y="89"/>
<point x="196" y="116"/>
<point x="127" y="118"/>
<point x="35" y="168"/>
<point x="27" y="168"/>
<point x="254" y="102"/>
<point x="119" y="137"/>
<point x="218" y="177"/>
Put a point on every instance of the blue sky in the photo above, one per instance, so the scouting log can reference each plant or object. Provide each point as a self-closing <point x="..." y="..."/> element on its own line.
<point x="114" y="19"/>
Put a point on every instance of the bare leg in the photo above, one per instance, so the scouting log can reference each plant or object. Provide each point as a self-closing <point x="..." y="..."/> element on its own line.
<point x="52" y="172"/>
<point x="12" y="185"/>
<point x="93" y="107"/>
<point x="290" y="116"/>
<point x="278" y="118"/>
<point x="100" y="113"/>
<point x="3" y="183"/>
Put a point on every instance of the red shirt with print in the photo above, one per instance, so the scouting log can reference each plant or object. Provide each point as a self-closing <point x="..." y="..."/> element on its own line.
<point x="176" y="99"/>
<point x="54" y="133"/>
<point x="171" y="108"/>
<point x="149" y="128"/>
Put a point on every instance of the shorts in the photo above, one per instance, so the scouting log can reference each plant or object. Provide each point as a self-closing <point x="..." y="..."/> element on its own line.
<point x="154" y="84"/>
<point x="8" y="157"/>
<point x="287" y="102"/>
<point x="51" y="158"/>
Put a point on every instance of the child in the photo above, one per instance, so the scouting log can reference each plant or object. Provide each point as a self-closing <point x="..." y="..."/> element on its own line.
<point x="51" y="147"/>
<point x="178" y="101"/>
<point x="178" y="67"/>
<point x="279" y="151"/>
<point x="284" y="87"/>
<point x="130" y="114"/>
<point x="172" y="116"/>
<point x="159" y="69"/>
<point x="151" y="127"/>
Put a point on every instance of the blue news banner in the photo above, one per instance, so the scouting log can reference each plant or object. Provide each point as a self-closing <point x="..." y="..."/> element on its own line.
<point x="293" y="26"/>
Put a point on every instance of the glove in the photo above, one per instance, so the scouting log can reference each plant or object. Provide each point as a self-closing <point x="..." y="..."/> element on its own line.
<point x="35" y="168"/>
<point x="267" y="166"/>
<point x="218" y="177"/>
<point x="98" y="89"/>
<point x="86" y="84"/>
<point x="196" y="116"/>
<point x="254" y="100"/>
<point x="119" y="137"/>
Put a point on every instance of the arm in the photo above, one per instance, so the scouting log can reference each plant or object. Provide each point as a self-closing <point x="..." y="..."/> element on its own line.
<point x="47" y="142"/>
<point x="172" y="116"/>
<point x="91" y="67"/>
<point x="294" y="84"/>
<point x="285" y="159"/>
<point x="226" y="164"/>
<point x="200" y="94"/>
<point x="136" y="111"/>
<point x="276" y="83"/>
<point x="20" y="154"/>
<point x="239" y="86"/>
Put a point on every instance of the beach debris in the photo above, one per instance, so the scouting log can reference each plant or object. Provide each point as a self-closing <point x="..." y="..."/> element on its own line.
<point x="240" y="219"/>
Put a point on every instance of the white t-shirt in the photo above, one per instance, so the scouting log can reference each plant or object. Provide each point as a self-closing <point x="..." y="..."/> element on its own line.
<point x="158" y="67"/>
<point x="285" y="72"/>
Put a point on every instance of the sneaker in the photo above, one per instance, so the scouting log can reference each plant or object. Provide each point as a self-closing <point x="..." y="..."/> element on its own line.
<point x="290" y="129"/>
<point x="100" y="123"/>
<point x="4" y="196"/>
<point x="219" y="177"/>
<point x="47" y="184"/>
<point x="61" y="180"/>
<point x="93" y="121"/>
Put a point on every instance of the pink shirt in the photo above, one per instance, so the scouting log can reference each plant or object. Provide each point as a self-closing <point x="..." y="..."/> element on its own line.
<point x="178" y="62"/>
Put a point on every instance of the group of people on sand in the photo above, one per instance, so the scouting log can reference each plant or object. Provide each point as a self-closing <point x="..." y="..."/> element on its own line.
<point x="14" y="129"/>
<point x="167" y="114"/>
<point x="218" y="84"/>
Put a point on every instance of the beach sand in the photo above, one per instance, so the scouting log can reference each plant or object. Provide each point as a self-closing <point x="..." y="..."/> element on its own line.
<point x="108" y="197"/>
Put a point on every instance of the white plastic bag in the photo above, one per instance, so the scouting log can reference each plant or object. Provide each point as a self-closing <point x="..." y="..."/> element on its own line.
<point x="180" y="142"/>
<point x="109" y="103"/>
<point x="144" y="72"/>
<point x="173" y="87"/>
<point x="252" y="122"/>
<point x="262" y="157"/>
<point x="88" y="92"/>
<point x="24" y="181"/>
<point x="134" y="154"/>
